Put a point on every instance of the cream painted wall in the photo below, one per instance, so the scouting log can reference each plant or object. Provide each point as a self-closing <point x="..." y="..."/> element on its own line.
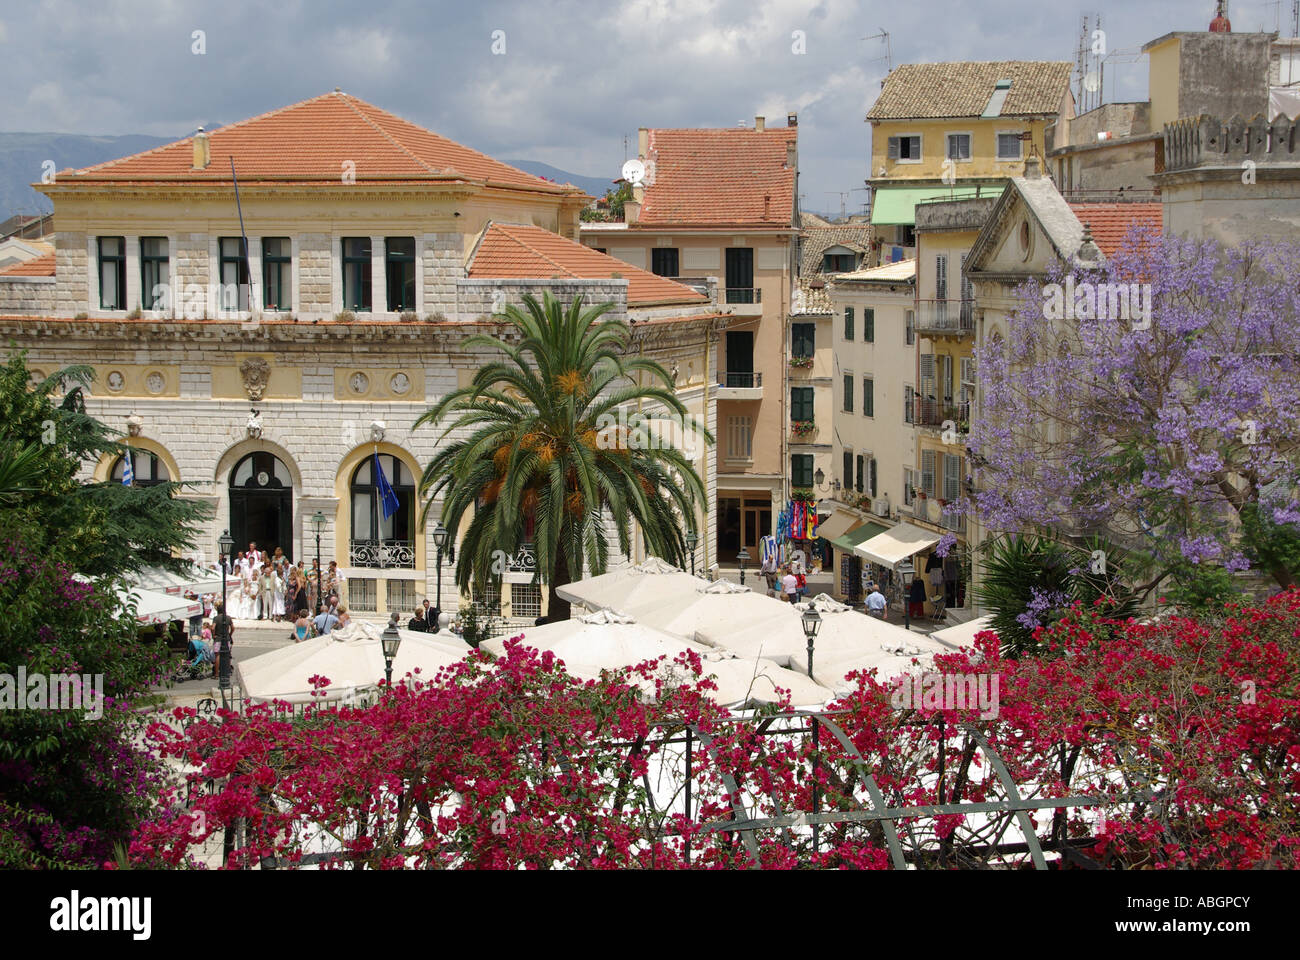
<point x="934" y="147"/>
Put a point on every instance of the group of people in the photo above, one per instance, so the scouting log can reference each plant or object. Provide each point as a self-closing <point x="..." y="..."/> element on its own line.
<point x="270" y="587"/>
<point x="788" y="583"/>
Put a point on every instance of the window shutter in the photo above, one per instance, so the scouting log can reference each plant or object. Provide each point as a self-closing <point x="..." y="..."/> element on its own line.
<point x="951" y="477"/>
<point x="861" y="460"/>
<point x="927" y="472"/>
<point x="868" y="397"/>
<point x="848" y="469"/>
<point x="869" y="325"/>
<point x="968" y="370"/>
<point x="911" y="327"/>
<point x="848" y="393"/>
<point x="941" y="277"/>
<point x="893" y="148"/>
<point x="909" y="404"/>
<point x="872" y="476"/>
<point x="848" y="323"/>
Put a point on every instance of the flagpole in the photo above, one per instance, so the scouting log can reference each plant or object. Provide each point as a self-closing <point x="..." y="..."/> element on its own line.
<point x="379" y="505"/>
<point x="248" y="267"/>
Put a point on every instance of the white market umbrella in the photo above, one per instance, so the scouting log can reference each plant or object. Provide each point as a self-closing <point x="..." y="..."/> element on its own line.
<point x="598" y="641"/>
<point x="843" y="635"/>
<point x="351" y="657"/>
<point x="650" y="582"/>
<point x="708" y="617"/>
<point x="744" y="682"/>
<point x="154" y="607"/>
<point x="963" y="634"/>
<point x="889" y="658"/>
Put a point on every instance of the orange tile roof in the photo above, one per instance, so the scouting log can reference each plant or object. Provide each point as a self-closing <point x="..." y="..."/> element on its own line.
<point x="513" y="251"/>
<point x="312" y="141"/>
<point x="42" y="266"/>
<point x="1110" y="222"/>
<point x="724" y="177"/>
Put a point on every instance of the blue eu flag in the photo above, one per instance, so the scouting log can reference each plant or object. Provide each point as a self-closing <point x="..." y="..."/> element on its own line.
<point x="391" y="503"/>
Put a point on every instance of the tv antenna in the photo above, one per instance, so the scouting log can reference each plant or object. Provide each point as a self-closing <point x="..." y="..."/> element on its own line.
<point x="883" y="35"/>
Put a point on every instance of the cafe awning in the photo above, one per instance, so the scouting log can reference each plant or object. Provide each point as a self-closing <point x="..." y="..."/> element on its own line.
<point x="837" y="524"/>
<point x="857" y="535"/>
<point x="895" y="544"/>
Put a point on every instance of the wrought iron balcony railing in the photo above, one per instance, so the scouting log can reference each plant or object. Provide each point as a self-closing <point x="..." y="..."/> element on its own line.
<point x="739" y="378"/>
<point x="744" y="295"/>
<point x="945" y="316"/>
<point x="933" y="413"/>
<point x="382" y="554"/>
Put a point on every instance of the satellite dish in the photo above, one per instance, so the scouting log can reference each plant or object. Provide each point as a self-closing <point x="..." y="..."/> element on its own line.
<point x="634" y="172"/>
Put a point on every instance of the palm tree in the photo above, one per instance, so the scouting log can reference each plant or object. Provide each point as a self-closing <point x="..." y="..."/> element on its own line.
<point x="544" y="446"/>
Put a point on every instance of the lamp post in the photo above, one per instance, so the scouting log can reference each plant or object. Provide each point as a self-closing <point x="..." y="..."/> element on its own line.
<point x="742" y="558"/>
<point x="812" y="622"/>
<point x="390" y="640"/>
<point x="440" y="537"/>
<point x="692" y="539"/>
<point x="318" y="524"/>
<point x="907" y="573"/>
<point x="224" y="545"/>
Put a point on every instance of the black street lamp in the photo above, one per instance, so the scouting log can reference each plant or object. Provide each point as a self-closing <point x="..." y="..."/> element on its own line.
<point x="226" y="544"/>
<point x="907" y="573"/>
<point x="440" y="537"/>
<point x="692" y="540"/>
<point x="318" y="525"/>
<point x="812" y="622"/>
<point x="742" y="558"/>
<point x="390" y="640"/>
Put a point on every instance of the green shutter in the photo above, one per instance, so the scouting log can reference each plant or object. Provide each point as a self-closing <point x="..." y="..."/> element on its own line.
<point x="868" y="397"/>
<point x="868" y="325"/>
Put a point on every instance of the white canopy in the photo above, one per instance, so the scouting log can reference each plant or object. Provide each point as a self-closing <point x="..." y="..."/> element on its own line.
<point x="195" y="579"/>
<point x="154" y="607"/>
<point x="651" y="582"/>
<point x="743" y="682"/>
<point x="963" y="634"/>
<point x="707" y="617"/>
<point x="600" y="641"/>
<point x="837" y="524"/>
<point x="351" y="657"/>
<point x="843" y="635"/>
<point x="897" y="543"/>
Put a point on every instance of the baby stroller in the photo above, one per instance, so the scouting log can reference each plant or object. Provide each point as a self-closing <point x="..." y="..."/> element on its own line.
<point x="198" y="666"/>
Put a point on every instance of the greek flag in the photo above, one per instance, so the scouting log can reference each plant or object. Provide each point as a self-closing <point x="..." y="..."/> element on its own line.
<point x="390" y="501"/>
<point x="128" y="471"/>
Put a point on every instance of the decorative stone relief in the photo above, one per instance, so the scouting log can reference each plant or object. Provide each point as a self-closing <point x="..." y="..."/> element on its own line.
<point x="155" y="383"/>
<point x="116" y="381"/>
<point x="400" y="383"/>
<point x="254" y="426"/>
<point x="359" y="382"/>
<point x="377" y="431"/>
<point x="134" y="424"/>
<point x="256" y="374"/>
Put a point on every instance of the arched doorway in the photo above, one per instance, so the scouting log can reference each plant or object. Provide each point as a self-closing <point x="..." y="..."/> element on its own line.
<point x="147" y="469"/>
<point x="261" y="503"/>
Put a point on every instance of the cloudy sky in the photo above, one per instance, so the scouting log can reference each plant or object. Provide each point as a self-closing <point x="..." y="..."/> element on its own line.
<point x="568" y="80"/>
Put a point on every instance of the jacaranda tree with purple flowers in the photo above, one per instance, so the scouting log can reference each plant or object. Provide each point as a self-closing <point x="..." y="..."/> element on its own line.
<point x="1175" y="433"/>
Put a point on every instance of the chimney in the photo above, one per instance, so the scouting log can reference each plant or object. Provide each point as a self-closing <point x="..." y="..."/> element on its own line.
<point x="791" y="155"/>
<point x="202" y="153"/>
<point x="1033" y="167"/>
<point x="792" y="119"/>
<point x="642" y="143"/>
<point x="760" y="124"/>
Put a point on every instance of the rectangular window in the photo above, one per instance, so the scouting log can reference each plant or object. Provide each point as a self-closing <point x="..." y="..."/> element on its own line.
<point x="663" y="262"/>
<point x="927" y="472"/>
<point x="234" y="273"/>
<point x="905" y="149"/>
<point x="871" y="477"/>
<point x="848" y="323"/>
<point x="401" y="596"/>
<point x="868" y="397"/>
<point x="277" y="273"/>
<point x="739" y="438"/>
<point x="399" y="273"/>
<point x="740" y="275"/>
<point x="848" y="469"/>
<point x="356" y="273"/>
<point x="909" y="486"/>
<point x="525" y="601"/>
<point x="927" y="376"/>
<point x="909" y="404"/>
<point x="837" y="262"/>
<point x="951" y="477"/>
<point x="868" y="325"/>
<point x="968" y="370"/>
<point x="801" y="403"/>
<point x="941" y="277"/>
<point x="153" y="273"/>
<point x="911" y="327"/>
<point x="1009" y="146"/>
<point x="861" y="465"/>
<point x="848" y="393"/>
<point x="112" y="273"/>
<point x="959" y="146"/>
<point x="803" y="339"/>
<point x="362" y="594"/>
<point x="801" y="470"/>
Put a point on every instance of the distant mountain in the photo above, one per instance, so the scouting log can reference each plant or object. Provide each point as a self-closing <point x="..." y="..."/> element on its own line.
<point x="596" y="186"/>
<point x="23" y="157"/>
